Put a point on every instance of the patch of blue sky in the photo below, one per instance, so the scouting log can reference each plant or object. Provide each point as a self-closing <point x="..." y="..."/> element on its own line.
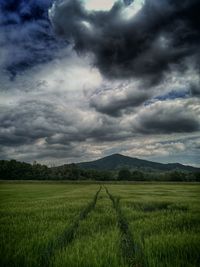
<point x="172" y="95"/>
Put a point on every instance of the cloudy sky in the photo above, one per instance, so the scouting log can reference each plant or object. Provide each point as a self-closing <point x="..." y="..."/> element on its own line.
<point x="82" y="79"/>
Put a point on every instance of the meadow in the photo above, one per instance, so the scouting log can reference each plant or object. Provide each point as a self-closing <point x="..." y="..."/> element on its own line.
<point x="99" y="225"/>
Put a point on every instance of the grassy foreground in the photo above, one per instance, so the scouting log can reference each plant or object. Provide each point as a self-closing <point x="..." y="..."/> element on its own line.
<point x="88" y="225"/>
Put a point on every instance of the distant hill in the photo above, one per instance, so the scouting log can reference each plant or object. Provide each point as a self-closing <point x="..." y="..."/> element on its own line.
<point x="118" y="161"/>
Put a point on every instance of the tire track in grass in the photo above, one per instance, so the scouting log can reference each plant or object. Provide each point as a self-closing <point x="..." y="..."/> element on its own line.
<point x="128" y="245"/>
<point x="68" y="235"/>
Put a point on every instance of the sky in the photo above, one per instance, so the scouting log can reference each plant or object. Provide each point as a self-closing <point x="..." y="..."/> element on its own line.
<point x="83" y="79"/>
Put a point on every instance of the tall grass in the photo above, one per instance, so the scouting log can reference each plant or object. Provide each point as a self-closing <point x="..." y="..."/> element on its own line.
<point x="31" y="215"/>
<point x="127" y="245"/>
<point x="64" y="238"/>
<point x="164" y="221"/>
<point x="97" y="243"/>
<point x="71" y="225"/>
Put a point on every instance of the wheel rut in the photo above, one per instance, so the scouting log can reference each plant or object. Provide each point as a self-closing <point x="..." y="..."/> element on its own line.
<point x="128" y="246"/>
<point x="68" y="235"/>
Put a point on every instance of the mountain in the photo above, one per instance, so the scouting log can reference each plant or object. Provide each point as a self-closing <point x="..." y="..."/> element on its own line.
<point x="118" y="161"/>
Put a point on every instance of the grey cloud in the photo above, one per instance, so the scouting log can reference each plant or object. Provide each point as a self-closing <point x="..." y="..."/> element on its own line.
<point x="195" y="89"/>
<point x="168" y="117"/>
<point x="184" y="151"/>
<point x="29" y="121"/>
<point x="41" y="130"/>
<point x="162" y="34"/>
<point x="169" y="124"/>
<point x="115" y="101"/>
<point x="35" y="121"/>
<point x="42" y="120"/>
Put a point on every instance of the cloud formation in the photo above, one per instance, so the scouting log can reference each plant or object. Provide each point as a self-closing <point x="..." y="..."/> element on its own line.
<point x="121" y="80"/>
<point x="168" y="117"/>
<point x="162" y="35"/>
<point x="113" y="101"/>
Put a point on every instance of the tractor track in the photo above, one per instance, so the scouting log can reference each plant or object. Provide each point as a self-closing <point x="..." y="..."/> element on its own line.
<point x="68" y="235"/>
<point x="128" y="246"/>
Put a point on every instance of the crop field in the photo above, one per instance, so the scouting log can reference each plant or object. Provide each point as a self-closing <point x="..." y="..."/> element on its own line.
<point x="108" y="225"/>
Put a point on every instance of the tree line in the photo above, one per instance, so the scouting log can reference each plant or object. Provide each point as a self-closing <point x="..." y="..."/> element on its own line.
<point x="15" y="170"/>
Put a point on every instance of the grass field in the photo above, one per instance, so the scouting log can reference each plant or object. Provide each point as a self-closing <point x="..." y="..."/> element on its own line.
<point x="91" y="225"/>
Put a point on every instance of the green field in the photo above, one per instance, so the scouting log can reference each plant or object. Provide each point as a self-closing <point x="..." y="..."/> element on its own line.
<point x="91" y="225"/>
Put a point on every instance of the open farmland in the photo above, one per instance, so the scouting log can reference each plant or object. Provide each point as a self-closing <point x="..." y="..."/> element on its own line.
<point x="91" y="225"/>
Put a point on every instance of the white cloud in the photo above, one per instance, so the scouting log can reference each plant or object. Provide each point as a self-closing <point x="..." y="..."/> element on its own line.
<point x="98" y="5"/>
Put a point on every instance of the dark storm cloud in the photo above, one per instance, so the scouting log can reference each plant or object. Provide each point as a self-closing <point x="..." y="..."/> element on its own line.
<point x="52" y="115"/>
<point x="38" y="130"/>
<point x="169" y="125"/>
<point x="44" y="129"/>
<point x="160" y="36"/>
<point x="168" y="117"/>
<point x="114" y="102"/>
<point x="26" y="37"/>
<point x="195" y="89"/>
<point x="32" y="121"/>
<point x="28" y="122"/>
